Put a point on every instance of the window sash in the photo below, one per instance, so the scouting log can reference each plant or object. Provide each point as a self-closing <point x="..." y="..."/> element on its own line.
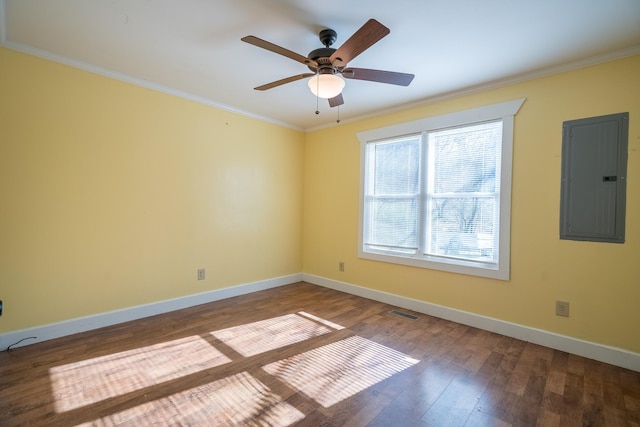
<point x="469" y="157"/>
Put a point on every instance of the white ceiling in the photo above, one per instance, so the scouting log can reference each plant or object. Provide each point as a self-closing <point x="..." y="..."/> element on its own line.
<point x="192" y="48"/>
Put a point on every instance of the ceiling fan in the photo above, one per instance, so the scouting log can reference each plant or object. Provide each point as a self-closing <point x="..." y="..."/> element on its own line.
<point x="327" y="63"/>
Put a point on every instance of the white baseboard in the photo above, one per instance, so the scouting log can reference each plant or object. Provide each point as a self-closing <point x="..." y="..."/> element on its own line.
<point x="591" y="350"/>
<point x="83" y="324"/>
<point x="603" y="353"/>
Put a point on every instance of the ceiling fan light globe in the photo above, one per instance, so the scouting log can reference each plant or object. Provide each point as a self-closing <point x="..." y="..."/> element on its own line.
<point x="326" y="85"/>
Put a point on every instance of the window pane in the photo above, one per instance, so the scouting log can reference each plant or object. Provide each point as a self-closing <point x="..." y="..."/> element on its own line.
<point x="466" y="160"/>
<point x="463" y="227"/>
<point x="393" y="223"/>
<point x="397" y="167"/>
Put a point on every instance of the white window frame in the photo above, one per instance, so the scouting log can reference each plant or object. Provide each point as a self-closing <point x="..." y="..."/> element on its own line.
<point x="504" y="111"/>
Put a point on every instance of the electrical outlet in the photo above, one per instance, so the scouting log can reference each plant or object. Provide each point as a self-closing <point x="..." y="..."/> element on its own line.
<point x="201" y="274"/>
<point x="341" y="266"/>
<point x="562" y="308"/>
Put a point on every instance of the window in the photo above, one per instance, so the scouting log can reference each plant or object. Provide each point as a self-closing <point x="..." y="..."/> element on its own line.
<point x="436" y="193"/>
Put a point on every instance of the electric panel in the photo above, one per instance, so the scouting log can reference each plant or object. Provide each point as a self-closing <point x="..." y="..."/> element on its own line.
<point x="593" y="188"/>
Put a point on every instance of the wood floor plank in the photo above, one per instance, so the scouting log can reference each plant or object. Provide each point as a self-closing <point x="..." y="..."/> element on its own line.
<point x="214" y="364"/>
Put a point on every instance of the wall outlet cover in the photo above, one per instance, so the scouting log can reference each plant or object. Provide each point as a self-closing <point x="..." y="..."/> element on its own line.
<point x="562" y="308"/>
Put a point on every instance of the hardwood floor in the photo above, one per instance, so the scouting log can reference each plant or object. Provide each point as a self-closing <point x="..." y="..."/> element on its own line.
<point x="309" y="356"/>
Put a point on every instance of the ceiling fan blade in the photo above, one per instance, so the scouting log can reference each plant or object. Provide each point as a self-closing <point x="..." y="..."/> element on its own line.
<point x="336" y="100"/>
<point x="369" y="34"/>
<point x="284" y="81"/>
<point x="279" y="50"/>
<point x="390" y="77"/>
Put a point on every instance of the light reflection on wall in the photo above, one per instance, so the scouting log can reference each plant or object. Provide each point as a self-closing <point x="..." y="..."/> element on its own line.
<point x="339" y="370"/>
<point x="89" y="381"/>
<point x="258" y="337"/>
<point x="235" y="400"/>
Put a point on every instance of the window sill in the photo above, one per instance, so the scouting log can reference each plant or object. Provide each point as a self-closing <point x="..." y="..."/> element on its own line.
<point x="479" y="269"/>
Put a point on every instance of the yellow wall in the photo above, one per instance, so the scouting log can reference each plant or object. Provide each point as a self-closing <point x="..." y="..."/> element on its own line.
<point x="600" y="280"/>
<point x="112" y="195"/>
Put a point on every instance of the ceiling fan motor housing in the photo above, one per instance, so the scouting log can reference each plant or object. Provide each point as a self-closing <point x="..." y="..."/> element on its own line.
<point x="321" y="55"/>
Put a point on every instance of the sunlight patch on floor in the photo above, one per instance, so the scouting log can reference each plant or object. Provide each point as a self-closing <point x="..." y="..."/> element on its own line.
<point x="239" y="399"/>
<point x="265" y="335"/>
<point x="321" y="320"/>
<point x="78" y="384"/>
<point x="339" y="370"/>
<point x="326" y="374"/>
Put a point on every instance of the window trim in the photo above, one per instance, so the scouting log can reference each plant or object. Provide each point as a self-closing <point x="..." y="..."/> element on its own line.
<point x="504" y="111"/>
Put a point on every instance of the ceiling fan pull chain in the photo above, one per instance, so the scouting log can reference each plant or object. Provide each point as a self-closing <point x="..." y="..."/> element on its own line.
<point x="338" y="121"/>
<point x="317" y="96"/>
